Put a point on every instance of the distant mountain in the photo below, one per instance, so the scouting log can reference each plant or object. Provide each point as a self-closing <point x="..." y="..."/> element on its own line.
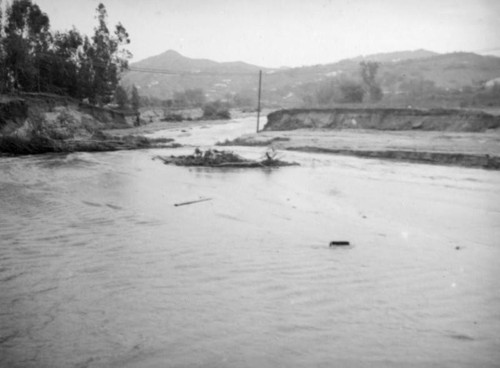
<point x="162" y="75"/>
<point x="173" y="61"/>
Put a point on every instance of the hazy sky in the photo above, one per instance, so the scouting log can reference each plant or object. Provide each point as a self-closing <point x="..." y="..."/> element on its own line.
<point x="275" y="33"/>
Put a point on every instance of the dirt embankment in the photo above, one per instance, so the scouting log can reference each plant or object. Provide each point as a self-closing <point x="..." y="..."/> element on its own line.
<point x="16" y="112"/>
<point x="383" y="119"/>
<point x="13" y="113"/>
<point x="445" y="137"/>
<point x="40" y="123"/>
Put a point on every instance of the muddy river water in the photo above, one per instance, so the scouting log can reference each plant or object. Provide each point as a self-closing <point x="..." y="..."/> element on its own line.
<point x="99" y="268"/>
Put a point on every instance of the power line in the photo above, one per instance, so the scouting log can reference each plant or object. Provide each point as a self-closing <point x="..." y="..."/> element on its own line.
<point x="198" y="73"/>
<point x="188" y="73"/>
<point x="47" y="55"/>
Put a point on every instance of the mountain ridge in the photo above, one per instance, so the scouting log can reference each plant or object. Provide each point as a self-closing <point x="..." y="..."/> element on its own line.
<point x="175" y="61"/>
<point x="162" y="75"/>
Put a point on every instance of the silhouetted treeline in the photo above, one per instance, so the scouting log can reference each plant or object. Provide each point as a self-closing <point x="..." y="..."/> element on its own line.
<point x="35" y="59"/>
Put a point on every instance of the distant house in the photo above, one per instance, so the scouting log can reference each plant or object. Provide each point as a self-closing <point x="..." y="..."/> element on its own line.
<point x="492" y="82"/>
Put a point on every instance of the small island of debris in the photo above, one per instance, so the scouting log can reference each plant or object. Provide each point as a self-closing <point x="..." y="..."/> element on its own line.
<point x="217" y="158"/>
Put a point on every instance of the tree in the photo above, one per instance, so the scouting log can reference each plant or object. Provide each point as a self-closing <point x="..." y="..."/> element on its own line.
<point x="179" y="99"/>
<point x="34" y="59"/>
<point x="86" y="73"/>
<point x="216" y="110"/>
<point x="135" y="99"/>
<point x="375" y="93"/>
<point x="245" y="99"/>
<point x="189" y="98"/>
<point x="27" y="38"/>
<point x="121" y="97"/>
<point x="417" y="88"/>
<point x="368" y="74"/>
<point x="60" y="66"/>
<point x="351" y="91"/>
<point x="3" y="75"/>
<point x="326" y="93"/>
<point x="108" y="58"/>
<point x="195" y="97"/>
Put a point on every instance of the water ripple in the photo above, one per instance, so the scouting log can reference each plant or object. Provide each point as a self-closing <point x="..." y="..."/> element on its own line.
<point x="99" y="269"/>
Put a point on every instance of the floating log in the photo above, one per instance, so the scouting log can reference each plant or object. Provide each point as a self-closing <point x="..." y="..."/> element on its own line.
<point x="192" y="202"/>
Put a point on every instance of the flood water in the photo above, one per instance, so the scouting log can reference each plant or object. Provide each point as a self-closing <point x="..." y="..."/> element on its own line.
<point x="99" y="268"/>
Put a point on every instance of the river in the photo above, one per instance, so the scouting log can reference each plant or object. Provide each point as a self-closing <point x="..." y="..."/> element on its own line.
<point x="99" y="268"/>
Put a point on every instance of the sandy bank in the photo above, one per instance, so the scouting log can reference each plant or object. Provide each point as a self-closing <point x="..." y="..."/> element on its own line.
<point x="162" y="125"/>
<point x="447" y="148"/>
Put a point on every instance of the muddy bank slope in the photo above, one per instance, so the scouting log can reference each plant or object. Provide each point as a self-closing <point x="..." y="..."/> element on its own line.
<point x="43" y="123"/>
<point x="383" y="119"/>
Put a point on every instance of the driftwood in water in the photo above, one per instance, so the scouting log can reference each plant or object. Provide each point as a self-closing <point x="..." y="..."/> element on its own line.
<point x="192" y="202"/>
<point x="216" y="158"/>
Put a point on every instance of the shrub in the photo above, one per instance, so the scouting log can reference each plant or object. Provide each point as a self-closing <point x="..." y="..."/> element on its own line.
<point x="351" y="91"/>
<point x="173" y="117"/>
<point x="216" y="110"/>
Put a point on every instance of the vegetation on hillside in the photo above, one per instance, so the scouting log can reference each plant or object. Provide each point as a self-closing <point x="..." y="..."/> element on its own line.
<point x="418" y="78"/>
<point x="369" y="74"/>
<point x="34" y="58"/>
<point x="401" y="85"/>
<point x="216" y="110"/>
<point x="361" y="88"/>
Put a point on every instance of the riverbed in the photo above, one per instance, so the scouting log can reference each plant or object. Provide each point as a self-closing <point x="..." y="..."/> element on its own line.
<point x="99" y="268"/>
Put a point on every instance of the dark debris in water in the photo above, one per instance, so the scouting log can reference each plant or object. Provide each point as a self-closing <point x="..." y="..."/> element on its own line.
<point x="218" y="158"/>
<point x="461" y="337"/>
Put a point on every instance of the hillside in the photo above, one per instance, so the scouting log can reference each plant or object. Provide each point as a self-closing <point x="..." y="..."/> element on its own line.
<point x="454" y="70"/>
<point x="173" y="61"/>
<point x="162" y="75"/>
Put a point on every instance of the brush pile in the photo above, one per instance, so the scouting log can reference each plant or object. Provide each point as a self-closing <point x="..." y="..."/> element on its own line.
<point x="216" y="158"/>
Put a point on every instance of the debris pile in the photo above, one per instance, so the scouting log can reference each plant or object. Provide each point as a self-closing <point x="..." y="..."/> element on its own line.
<point x="217" y="158"/>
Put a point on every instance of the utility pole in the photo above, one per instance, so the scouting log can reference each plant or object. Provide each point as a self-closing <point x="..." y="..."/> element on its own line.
<point x="258" y="99"/>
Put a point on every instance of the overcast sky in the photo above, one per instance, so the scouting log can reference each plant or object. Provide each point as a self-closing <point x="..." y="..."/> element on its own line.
<point x="273" y="33"/>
